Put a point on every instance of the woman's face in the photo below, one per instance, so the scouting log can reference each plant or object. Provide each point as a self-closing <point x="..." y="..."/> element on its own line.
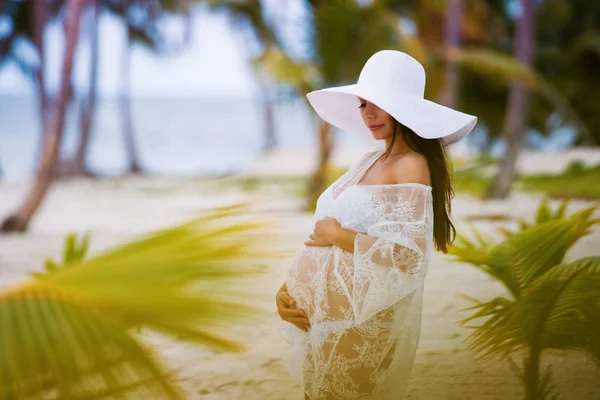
<point x="378" y="121"/>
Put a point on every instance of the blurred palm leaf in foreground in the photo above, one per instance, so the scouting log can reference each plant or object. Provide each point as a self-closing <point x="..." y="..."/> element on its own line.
<point x="66" y="334"/>
<point x="551" y="304"/>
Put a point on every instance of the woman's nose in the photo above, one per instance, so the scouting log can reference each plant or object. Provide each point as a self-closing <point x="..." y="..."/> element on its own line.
<point x="370" y="109"/>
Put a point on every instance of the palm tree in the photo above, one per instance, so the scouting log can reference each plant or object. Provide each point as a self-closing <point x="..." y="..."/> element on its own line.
<point x="517" y="106"/>
<point x="125" y="106"/>
<point x="453" y="25"/>
<point x="249" y="14"/>
<point x="486" y="67"/>
<point x="550" y="304"/>
<point x="345" y="35"/>
<point x="40" y="16"/>
<point x="28" y="23"/>
<point x="74" y="329"/>
<point x="566" y="54"/>
<point x="148" y="34"/>
<point x="76" y="166"/>
<point x="145" y="32"/>
<point x="19" y="220"/>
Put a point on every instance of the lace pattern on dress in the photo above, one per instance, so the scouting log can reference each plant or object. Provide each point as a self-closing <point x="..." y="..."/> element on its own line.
<point x="364" y="307"/>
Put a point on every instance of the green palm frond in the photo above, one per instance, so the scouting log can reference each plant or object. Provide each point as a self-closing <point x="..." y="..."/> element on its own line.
<point x="589" y="41"/>
<point x="486" y="309"/>
<point x="492" y="261"/>
<point x="560" y="212"/>
<point x="66" y="334"/>
<point x="561" y="310"/>
<point x="536" y="250"/>
<point x="544" y="214"/>
<point x="506" y="233"/>
<point x="504" y="68"/>
<point x="528" y="254"/>
<point x="73" y="252"/>
<point x="482" y="241"/>
<point x="553" y="305"/>
<point x="53" y="349"/>
<point x="275" y="63"/>
<point x="499" y="66"/>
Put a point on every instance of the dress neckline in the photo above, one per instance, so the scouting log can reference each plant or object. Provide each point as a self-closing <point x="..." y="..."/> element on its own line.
<point x="396" y="184"/>
<point x="369" y="166"/>
<point x="376" y="156"/>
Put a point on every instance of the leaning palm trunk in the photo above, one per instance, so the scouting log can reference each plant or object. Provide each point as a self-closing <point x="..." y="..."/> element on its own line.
<point x="517" y="108"/>
<point x="76" y="166"/>
<point x="39" y="17"/>
<point x="318" y="181"/>
<point x="55" y="127"/>
<point x="125" y="108"/>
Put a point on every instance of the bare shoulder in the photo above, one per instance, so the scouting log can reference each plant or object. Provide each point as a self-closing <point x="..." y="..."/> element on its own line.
<point x="412" y="168"/>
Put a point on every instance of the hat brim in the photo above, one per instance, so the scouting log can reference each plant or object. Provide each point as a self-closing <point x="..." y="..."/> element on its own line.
<point x="339" y="107"/>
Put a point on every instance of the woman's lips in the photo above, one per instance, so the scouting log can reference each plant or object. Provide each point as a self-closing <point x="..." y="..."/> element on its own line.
<point x="375" y="127"/>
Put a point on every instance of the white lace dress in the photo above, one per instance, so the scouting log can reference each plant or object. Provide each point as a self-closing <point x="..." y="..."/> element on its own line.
<point x="364" y="307"/>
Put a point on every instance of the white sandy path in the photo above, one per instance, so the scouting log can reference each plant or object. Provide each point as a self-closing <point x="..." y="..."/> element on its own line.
<point x="116" y="210"/>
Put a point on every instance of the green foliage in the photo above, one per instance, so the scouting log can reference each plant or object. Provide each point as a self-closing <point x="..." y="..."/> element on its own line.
<point x="471" y="178"/>
<point x="575" y="167"/>
<point x="550" y="304"/>
<point x="67" y="333"/>
<point x="566" y="55"/>
<point x="345" y="35"/>
<point x="576" y="182"/>
<point x="73" y="252"/>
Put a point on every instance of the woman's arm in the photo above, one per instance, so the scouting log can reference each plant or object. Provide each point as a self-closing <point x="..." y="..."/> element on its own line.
<point x="329" y="232"/>
<point x="344" y="238"/>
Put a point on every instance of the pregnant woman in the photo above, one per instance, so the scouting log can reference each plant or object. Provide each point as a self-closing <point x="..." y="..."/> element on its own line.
<point x="352" y="298"/>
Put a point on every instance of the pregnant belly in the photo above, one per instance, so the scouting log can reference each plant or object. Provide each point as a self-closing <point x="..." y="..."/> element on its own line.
<point x="307" y="277"/>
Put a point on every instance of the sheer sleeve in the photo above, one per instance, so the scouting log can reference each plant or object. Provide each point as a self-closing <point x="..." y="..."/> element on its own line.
<point x="391" y="258"/>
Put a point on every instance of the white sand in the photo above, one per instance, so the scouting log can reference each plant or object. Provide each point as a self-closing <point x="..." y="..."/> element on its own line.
<point x="445" y="369"/>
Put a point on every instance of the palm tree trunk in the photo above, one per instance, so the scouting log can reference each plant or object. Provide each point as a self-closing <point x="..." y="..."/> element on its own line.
<point x="267" y="104"/>
<point x="76" y="166"/>
<point x="517" y="106"/>
<point x="125" y="106"/>
<point x="188" y="22"/>
<point x="40" y="15"/>
<point x="318" y="182"/>
<point x="531" y="372"/>
<point x="453" y="21"/>
<point x="19" y="220"/>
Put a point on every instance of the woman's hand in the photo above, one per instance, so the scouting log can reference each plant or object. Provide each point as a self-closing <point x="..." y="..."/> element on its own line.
<point x="325" y="232"/>
<point x="287" y="313"/>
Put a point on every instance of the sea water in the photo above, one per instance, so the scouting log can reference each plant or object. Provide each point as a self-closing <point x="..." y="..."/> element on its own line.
<point x="173" y="136"/>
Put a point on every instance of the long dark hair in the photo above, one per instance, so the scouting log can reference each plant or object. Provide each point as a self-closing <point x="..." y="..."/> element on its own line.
<point x="442" y="192"/>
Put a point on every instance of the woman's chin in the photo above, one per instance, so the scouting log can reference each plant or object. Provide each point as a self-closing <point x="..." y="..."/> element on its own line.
<point x="378" y="136"/>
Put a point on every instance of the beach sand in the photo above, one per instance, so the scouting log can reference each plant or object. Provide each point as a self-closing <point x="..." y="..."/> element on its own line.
<point x="119" y="209"/>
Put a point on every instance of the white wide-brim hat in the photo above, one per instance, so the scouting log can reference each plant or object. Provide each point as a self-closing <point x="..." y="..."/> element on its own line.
<point x="394" y="82"/>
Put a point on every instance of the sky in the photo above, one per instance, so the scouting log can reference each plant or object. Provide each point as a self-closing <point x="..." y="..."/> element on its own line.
<point x="214" y="65"/>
